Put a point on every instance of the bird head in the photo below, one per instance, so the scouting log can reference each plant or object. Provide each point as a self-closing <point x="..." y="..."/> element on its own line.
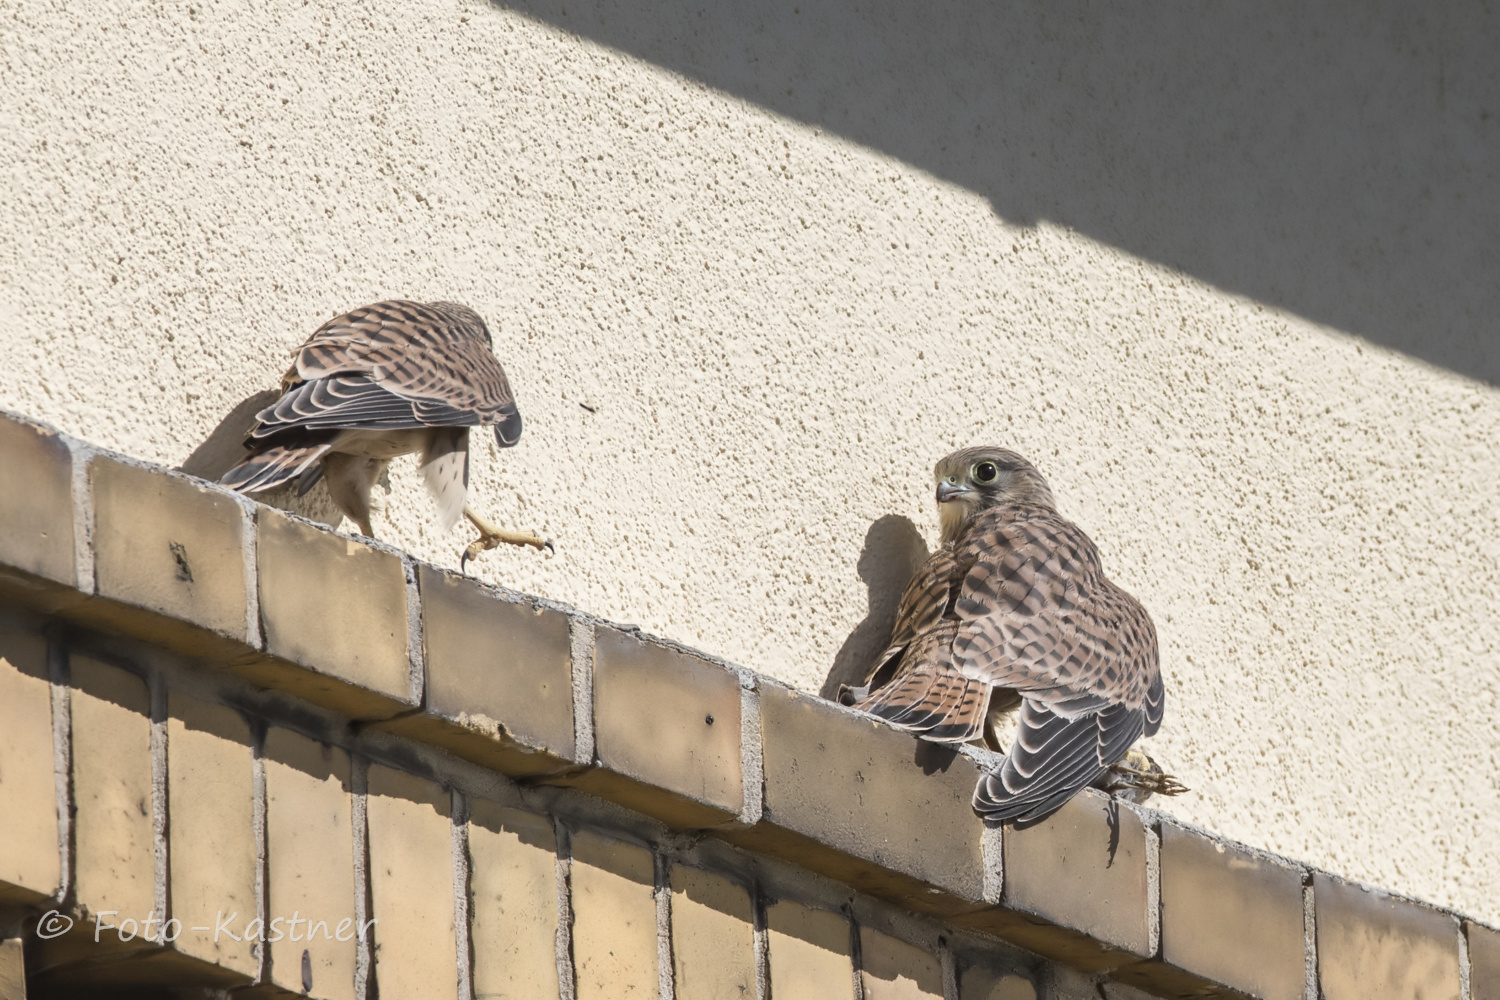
<point x="972" y="480"/>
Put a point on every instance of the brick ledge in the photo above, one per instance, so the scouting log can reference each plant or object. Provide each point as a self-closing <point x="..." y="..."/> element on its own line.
<point x="559" y="701"/>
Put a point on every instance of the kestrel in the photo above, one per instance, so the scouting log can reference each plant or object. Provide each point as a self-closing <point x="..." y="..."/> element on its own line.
<point x="389" y="379"/>
<point x="1013" y="611"/>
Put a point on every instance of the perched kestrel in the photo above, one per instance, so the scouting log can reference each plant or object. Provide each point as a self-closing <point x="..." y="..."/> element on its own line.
<point x="1013" y="610"/>
<point x="389" y="379"/>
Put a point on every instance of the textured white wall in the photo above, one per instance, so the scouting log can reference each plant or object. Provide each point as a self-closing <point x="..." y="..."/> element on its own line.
<point x="740" y="340"/>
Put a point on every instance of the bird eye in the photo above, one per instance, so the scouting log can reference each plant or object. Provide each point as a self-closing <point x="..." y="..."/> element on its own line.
<point x="986" y="473"/>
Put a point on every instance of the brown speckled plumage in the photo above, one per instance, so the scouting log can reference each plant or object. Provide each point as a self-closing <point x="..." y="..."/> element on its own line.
<point x="1015" y="609"/>
<point x="389" y="379"/>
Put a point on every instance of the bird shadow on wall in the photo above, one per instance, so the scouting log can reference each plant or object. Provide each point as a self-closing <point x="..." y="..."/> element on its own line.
<point x="1335" y="160"/>
<point x="225" y="446"/>
<point x="894" y="548"/>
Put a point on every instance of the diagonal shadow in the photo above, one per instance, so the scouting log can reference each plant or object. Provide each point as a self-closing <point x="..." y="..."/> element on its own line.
<point x="225" y="446"/>
<point x="893" y="551"/>
<point x="1341" y="161"/>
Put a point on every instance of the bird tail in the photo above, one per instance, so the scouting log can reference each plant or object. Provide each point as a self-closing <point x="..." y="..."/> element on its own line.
<point x="445" y="467"/>
<point x="936" y="703"/>
<point x="997" y="803"/>
<point x="1052" y="758"/>
<point x="268" y="469"/>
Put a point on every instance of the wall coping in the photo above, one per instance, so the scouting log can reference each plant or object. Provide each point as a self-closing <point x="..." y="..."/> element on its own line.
<point x="99" y="544"/>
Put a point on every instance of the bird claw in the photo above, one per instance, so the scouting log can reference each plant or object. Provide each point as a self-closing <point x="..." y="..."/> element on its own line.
<point x="490" y="540"/>
<point x="1137" y="777"/>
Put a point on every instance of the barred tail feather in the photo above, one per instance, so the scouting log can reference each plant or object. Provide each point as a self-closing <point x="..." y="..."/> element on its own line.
<point x="270" y="468"/>
<point x="995" y="804"/>
<point x="445" y="467"/>
<point x="1052" y="758"/>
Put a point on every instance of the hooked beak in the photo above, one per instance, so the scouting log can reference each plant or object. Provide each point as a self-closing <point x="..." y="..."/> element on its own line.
<point x="950" y="491"/>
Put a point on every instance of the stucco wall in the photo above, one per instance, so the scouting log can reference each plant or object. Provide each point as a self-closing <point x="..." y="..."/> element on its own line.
<point x="1230" y="283"/>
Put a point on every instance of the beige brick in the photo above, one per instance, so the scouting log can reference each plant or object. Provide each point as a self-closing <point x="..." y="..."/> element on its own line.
<point x="501" y="673"/>
<point x="1373" y="946"/>
<point x="171" y="545"/>
<point x="864" y="803"/>
<point x="1084" y="870"/>
<point x="614" y="919"/>
<point x="12" y="970"/>
<point x="30" y="864"/>
<point x="310" y="862"/>
<point x="1231" y="917"/>
<point x="979" y="982"/>
<point x="411" y="885"/>
<point x="338" y="607"/>
<point x="671" y="721"/>
<point x="513" y="902"/>
<point x="211" y="845"/>
<point x="713" y="936"/>
<point x="809" y="953"/>
<point x="116" y="859"/>
<point x="36" y="502"/>
<point x="1484" y="961"/>
<point x="894" y="970"/>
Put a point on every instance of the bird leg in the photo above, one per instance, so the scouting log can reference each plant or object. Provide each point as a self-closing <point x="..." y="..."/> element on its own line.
<point x="491" y="536"/>
<point x="1138" y="777"/>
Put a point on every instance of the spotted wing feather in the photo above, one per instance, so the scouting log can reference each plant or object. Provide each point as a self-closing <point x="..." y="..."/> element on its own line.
<point x="930" y="699"/>
<point x="437" y="356"/>
<point x="1040" y="616"/>
<point x="923" y="604"/>
<point x="1022" y="604"/>
<point x="394" y="365"/>
<point x="273" y="466"/>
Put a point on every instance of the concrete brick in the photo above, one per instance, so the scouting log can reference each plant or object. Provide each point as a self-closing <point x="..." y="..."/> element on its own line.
<point x="337" y="607"/>
<point x="1484" y="961"/>
<point x="1372" y="946"/>
<point x="170" y="545"/>
<point x="979" y="982"/>
<point x="411" y="885"/>
<point x="808" y="953"/>
<point x="12" y="970"/>
<point x="1231" y="917"/>
<point x="310" y="866"/>
<point x="671" y="722"/>
<point x="891" y="969"/>
<point x="857" y="800"/>
<point x="211" y="844"/>
<point x="713" y="936"/>
<point x="512" y="902"/>
<point x="113" y="831"/>
<point x="36" y="502"/>
<point x="30" y="863"/>
<point x="1082" y="871"/>
<point x="614" y="919"/>
<point x="499" y="678"/>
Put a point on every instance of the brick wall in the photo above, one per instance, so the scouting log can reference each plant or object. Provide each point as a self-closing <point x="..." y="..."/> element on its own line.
<point x="217" y="715"/>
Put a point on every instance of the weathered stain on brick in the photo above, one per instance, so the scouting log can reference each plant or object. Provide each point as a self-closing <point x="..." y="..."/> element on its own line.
<point x="1374" y="946"/>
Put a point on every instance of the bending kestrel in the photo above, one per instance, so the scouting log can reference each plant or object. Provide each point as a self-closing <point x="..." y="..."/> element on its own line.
<point x="1013" y="610"/>
<point x="389" y="379"/>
